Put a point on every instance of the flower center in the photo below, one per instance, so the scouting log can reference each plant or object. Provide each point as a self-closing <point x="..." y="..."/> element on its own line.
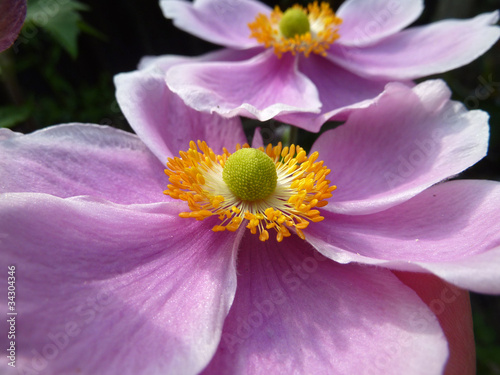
<point x="297" y="30"/>
<point x="273" y="189"/>
<point x="294" y="22"/>
<point x="250" y="174"/>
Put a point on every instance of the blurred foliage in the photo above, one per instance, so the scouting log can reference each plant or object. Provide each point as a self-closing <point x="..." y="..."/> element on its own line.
<point x="487" y="333"/>
<point x="61" y="69"/>
<point x="11" y="115"/>
<point x="60" y="19"/>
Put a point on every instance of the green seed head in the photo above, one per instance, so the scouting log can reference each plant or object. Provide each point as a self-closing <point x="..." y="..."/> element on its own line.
<point x="294" y="22"/>
<point x="250" y="174"/>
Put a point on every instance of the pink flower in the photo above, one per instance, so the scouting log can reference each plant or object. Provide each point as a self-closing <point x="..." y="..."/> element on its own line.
<point x="110" y="280"/>
<point x="350" y="56"/>
<point x="12" y="14"/>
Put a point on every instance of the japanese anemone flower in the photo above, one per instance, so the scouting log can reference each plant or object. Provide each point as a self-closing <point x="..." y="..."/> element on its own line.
<point x="12" y="14"/>
<point x="112" y="276"/>
<point x="305" y="66"/>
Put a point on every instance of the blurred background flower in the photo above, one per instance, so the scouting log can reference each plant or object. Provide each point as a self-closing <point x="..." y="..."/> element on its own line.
<point x="60" y="69"/>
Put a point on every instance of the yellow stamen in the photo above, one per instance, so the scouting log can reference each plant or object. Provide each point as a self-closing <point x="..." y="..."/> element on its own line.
<point x="196" y="178"/>
<point x="323" y="30"/>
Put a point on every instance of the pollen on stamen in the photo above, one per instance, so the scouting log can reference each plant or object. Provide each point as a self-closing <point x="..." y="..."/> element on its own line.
<point x="196" y="177"/>
<point x="322" y="33"/>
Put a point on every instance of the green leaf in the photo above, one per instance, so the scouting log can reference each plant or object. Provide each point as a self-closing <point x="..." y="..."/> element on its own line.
<point x="59" y="18"/>
<point x="87" y="29"/>
<point x="11" y="115"/>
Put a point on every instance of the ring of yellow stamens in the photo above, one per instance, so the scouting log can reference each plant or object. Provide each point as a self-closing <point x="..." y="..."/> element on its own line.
<point x="272" y="32"/>
<point x="301" y="188"/>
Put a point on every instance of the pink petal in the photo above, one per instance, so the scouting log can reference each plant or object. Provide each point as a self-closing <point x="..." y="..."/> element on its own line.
<point x="110" y="289"/>
<point x="451" y="230"/>
<point x="7" y="134"/>
<point x="404" y="142"/>
<point x="422" y="51"/>
<point x="12" y="15"/>
<point x="296" y="312"/>
<point x="165" y="62"/>
<point x="478" y="272"/>
<point x="77" y="159"/>
<point x="261" y="87"/>
<point x="162" y="120"/>
<point x="335" y="87"/>
<point x="223" y="22"/>
<point x="257" y="140"/>
<point x="452" y="307"/>
<point x="366" y="21"/>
